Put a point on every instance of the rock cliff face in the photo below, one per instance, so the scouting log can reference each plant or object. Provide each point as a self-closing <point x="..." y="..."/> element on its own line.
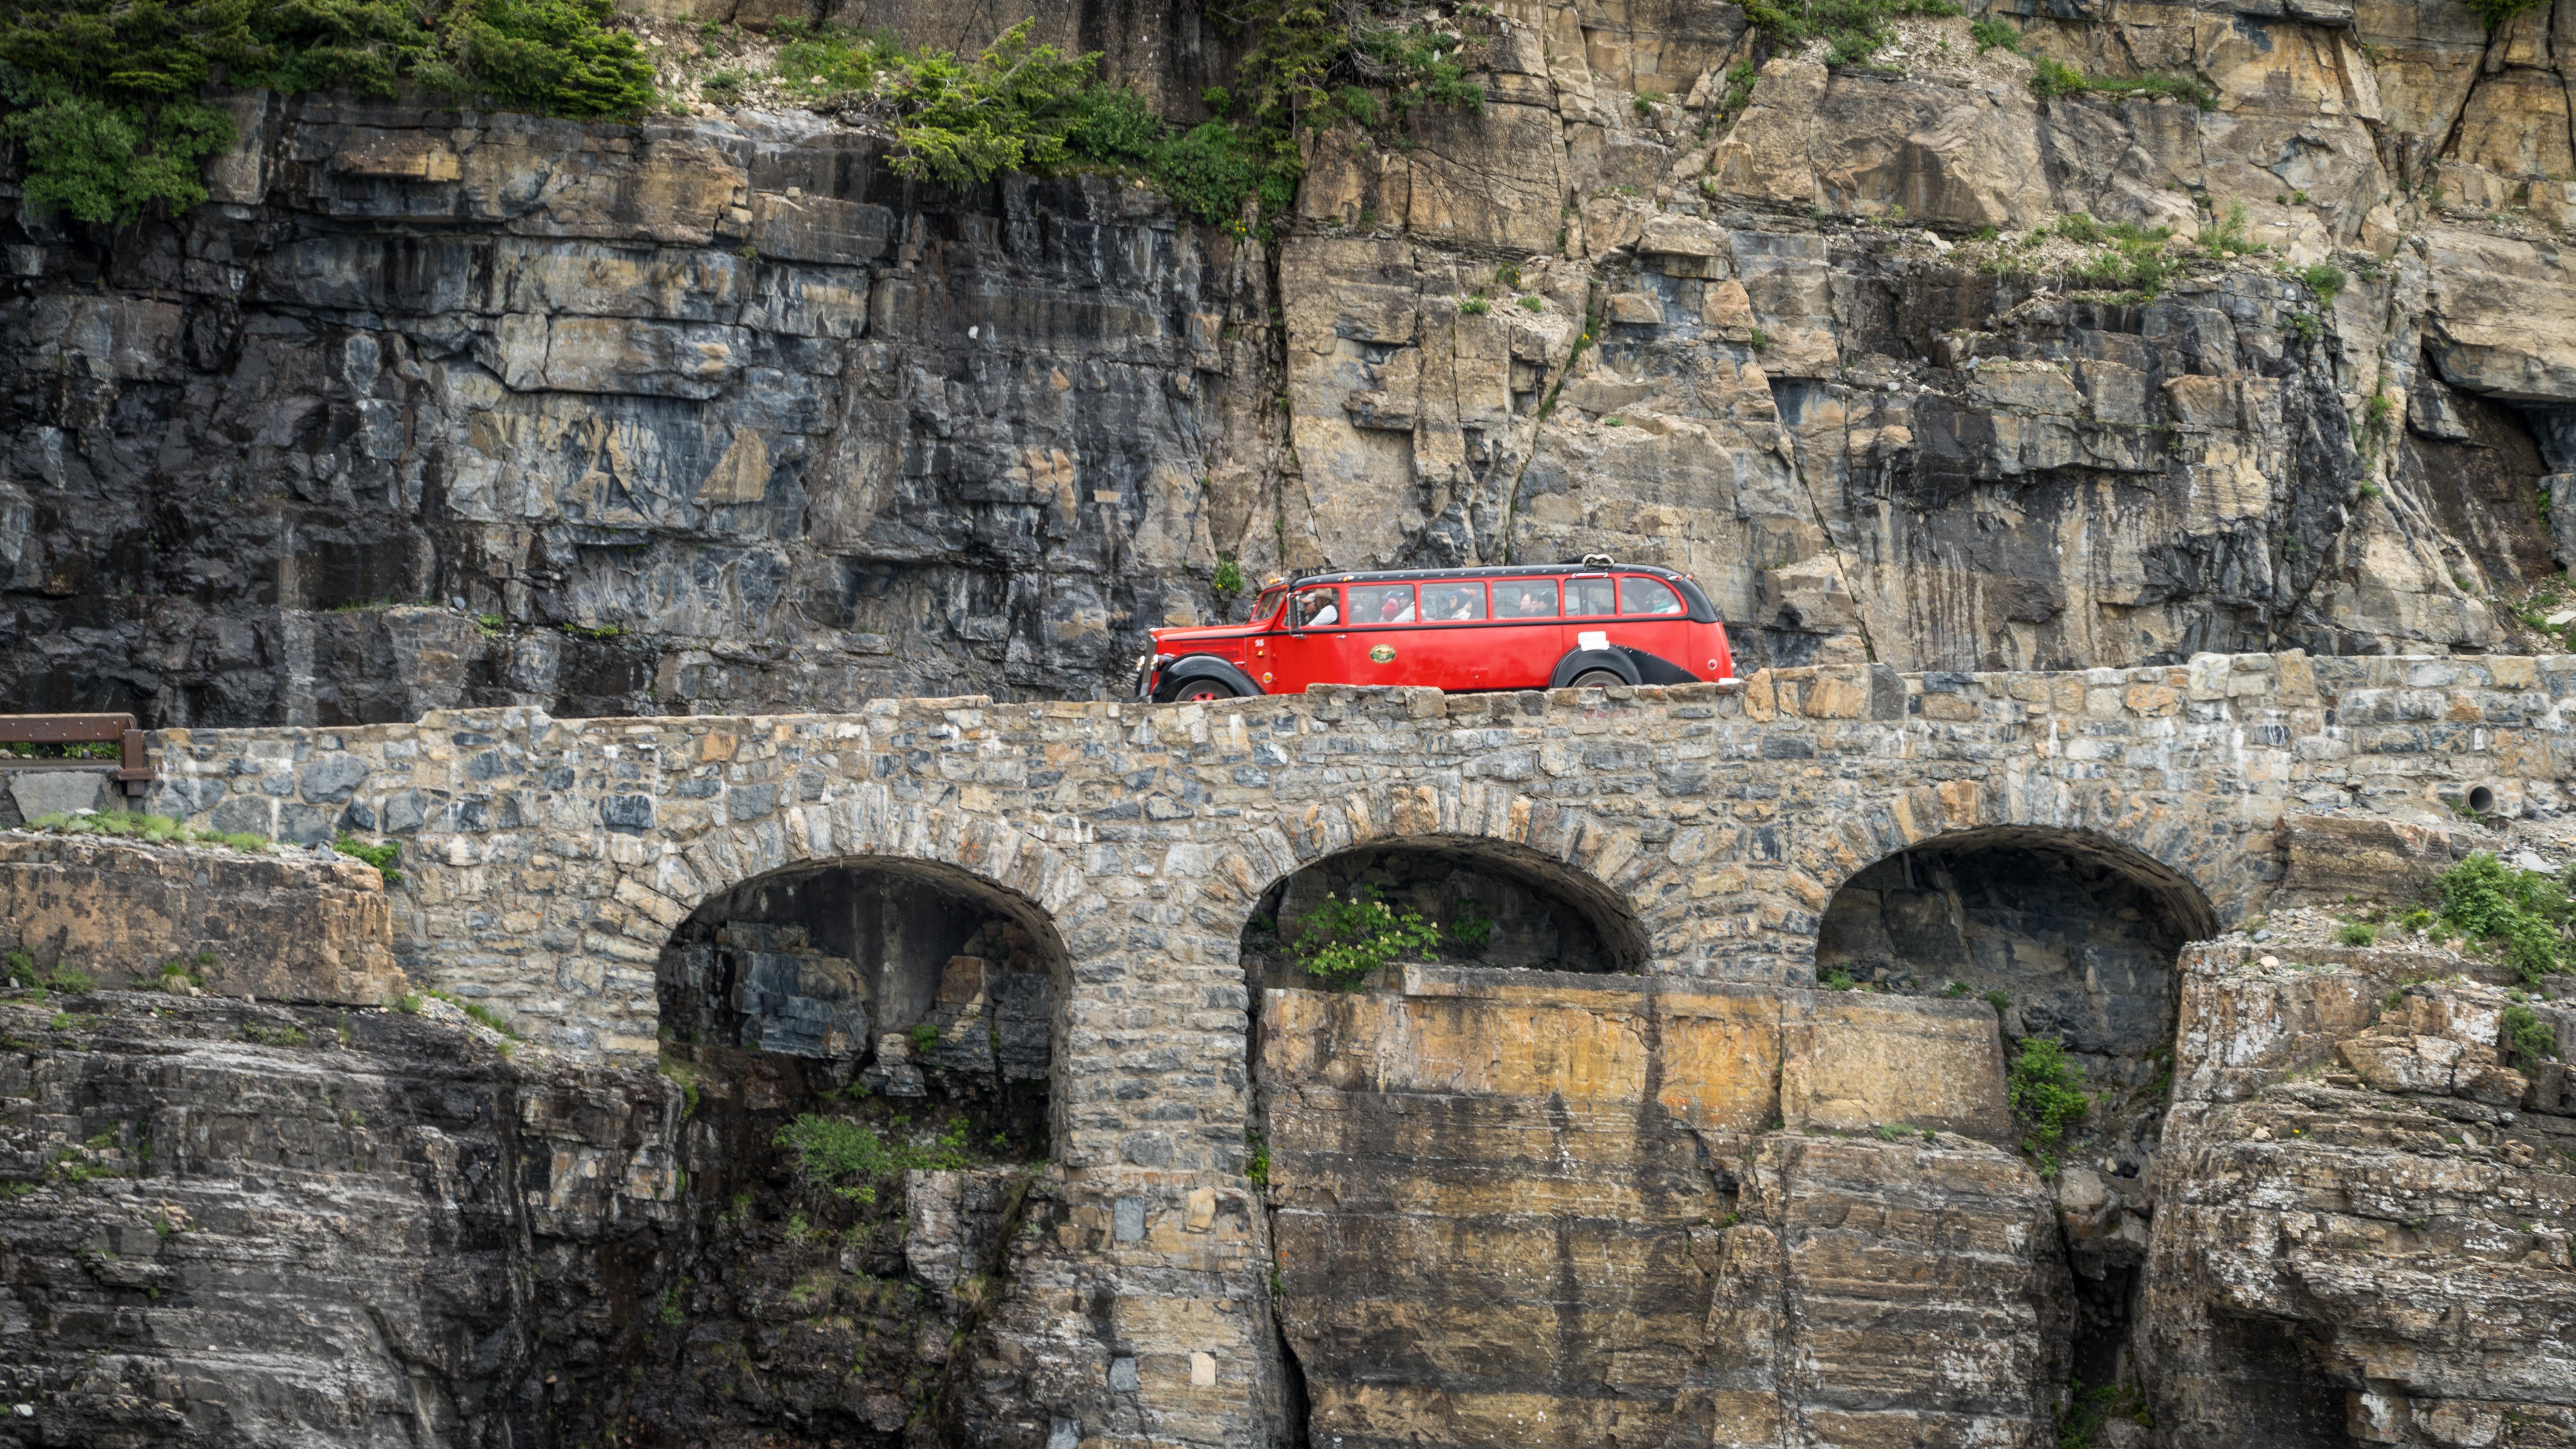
<point x="434" y="407"/>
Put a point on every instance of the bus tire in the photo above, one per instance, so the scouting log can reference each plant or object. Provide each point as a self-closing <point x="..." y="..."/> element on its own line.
<point x="1199" y="689"/>
<point x="1595" y="679"/>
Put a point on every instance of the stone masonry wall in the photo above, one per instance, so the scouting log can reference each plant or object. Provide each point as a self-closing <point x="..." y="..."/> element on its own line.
<point x="548" y="861"/>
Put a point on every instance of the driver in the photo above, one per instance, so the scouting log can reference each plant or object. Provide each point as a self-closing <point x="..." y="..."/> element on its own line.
<point x="1316" y="610"/>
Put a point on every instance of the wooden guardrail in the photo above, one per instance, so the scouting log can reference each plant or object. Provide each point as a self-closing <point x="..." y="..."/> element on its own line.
<point x="131" y="767"/>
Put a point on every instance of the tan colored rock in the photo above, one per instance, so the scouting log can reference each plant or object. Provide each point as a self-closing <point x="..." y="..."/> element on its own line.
<point x="2501" y="315"/>
<point x="249" y="925"/>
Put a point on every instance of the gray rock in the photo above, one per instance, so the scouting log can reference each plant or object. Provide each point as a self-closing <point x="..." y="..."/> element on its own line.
<point x="39" y="793"/>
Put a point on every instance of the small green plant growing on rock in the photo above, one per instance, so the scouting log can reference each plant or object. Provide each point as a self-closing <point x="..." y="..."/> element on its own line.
<point x="2052" y="78"/>
<point x="852" y="1160"/>
<point x="2047" y="1094"/>
<point x="1852" y="30"/>
<point x="1992" y="34"/>
<point x="2000" y="1000"/>
<point x="1229" y="575"/>
<point x="2354" y="933"/>
<point x="923" y="1036"/>
<point x="2527" y="1037"/>
<point x="381" y="855"/>
<point x="2524" y="912"/>
<point x="2326" y="280"/>
<point x="1469" y="927"/>
<point x="1342" y="940"/>
<point x="1836" y="980"/>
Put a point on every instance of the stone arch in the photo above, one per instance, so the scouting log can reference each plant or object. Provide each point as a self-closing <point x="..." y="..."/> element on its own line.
<point x="1498" y="903"/>
<point x="865" y="827"/>
<point x="873" y="1043"/>
<point x="2193" y="856"/>
<point x="1565" y="851"/>
<point x="2074" y="938"/>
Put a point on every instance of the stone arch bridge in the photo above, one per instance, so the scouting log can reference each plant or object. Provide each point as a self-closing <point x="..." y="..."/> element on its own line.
<point x="548" y="862"/>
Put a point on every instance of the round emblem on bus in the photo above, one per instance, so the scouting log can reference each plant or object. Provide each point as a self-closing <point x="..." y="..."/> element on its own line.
<point x="1383" y="654"/>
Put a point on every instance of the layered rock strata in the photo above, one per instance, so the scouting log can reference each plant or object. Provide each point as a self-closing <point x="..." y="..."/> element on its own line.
<point x="435" y="408"/>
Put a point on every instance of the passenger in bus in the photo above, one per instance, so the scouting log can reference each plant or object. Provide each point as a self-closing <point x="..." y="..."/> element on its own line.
<point x="1398" y="609"/>
<point x="1317" y="610"/>
<point x="1453" y="603"/>
<point x="1529" y="602"/>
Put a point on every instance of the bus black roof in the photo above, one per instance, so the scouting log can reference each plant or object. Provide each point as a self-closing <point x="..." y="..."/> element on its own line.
<point x="1494" y="571"/>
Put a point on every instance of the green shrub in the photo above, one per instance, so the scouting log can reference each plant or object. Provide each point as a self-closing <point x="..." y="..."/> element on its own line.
<point x="2000" y="1000"/>
<point x="2228" y="237"/>
<point x="1113" y="126"/>
<point x="1210" y="169"/>
<point x="2524" y="912"/>
<point x="1992" y="34"/>
<point x="1836" y="980"/>
<point x="1852" y="30"/>
<point x="923" y="1036"/>
<point x="2076" y="226"/>
<point x="2305" y="326"/>
<point x="852" y="1160"/>
<point x="1474" y="306"/>
<point x="2053" y="78"/>
<point x="2047" y="1094"/>
<point x="2326" y="280"/>
<point x="2527" y="1037"/>
<point x="2496" y="12"/>
<point x="556" y="57"/>
<point x="1344" y="940"/>
<point x="1469" y="927"/>
<point x="101" y="96"/>
<point x="2357" y="934"/>
<point x="382" y="855"/>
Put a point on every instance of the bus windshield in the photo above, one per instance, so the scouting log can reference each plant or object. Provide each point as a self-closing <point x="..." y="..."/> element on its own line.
<point x="1266" y="605"/>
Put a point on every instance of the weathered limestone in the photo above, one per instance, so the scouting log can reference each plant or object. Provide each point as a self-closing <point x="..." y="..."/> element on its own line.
<point x="237" y="924"/>
<point x="1494" y="1193"/>
<point x="719" y="414"/>
<point x="2363" y="1212"/>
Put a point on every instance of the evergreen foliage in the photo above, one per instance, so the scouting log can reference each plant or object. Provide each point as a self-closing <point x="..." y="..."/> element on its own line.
<point x="100" y="99"/>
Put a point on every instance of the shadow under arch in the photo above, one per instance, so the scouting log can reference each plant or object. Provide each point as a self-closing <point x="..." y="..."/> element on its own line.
<point x="843" y="962"/>
<point x="868" y="1044"/>
<point x="1494" y="902"/>
<point x="2073" y="937"/>
<point x="2080" y="930"/>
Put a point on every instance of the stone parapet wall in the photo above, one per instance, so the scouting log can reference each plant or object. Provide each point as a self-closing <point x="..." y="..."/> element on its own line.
<point x="546" y="861"/>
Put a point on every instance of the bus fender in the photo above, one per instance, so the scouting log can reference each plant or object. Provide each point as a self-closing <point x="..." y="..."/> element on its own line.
<point x="1204" y="666"/>
<point x="1576" y="662"/>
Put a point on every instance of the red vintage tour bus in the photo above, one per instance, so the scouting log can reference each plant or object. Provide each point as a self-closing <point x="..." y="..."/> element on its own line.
<point x="1533" y="626"/>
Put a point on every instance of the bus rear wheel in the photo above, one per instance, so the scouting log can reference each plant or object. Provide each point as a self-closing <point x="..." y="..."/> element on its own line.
<point x="1195" y="691"/>
<point x="1597" y="679"/>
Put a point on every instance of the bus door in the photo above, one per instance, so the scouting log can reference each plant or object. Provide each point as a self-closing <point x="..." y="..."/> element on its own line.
<point x="1524" y="634"/>
<point x="1591" y="613"/>
<point x="1307" y="646"/>
<point x="1385" y="630"/>
<point x="1454" y="645"/>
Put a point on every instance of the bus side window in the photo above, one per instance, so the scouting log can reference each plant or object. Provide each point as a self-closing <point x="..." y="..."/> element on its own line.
<point x="1588" y="596"/>
<point x="1525" y="598"/>
<point x="1317" y="609"/>
<point x="1647" y="596"/>
<point x="1382" y="604"/>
